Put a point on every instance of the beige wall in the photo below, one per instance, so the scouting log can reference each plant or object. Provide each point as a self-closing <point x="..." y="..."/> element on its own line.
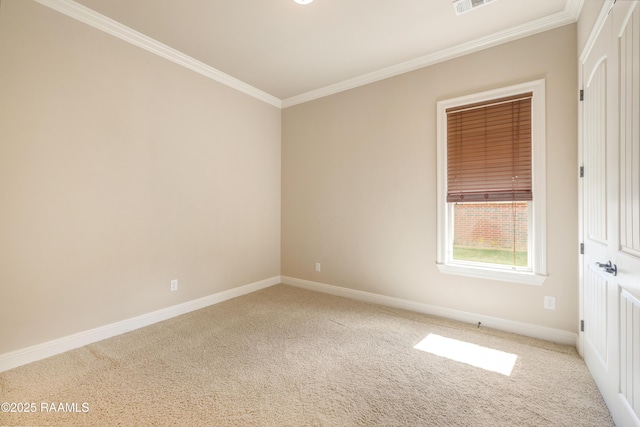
<point x="120" y="171"/>
<point x="359" y="184"/>
<point x="588" y="16"/>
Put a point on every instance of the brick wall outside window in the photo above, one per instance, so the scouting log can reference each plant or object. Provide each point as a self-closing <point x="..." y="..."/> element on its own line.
<point x="491" y="225"/>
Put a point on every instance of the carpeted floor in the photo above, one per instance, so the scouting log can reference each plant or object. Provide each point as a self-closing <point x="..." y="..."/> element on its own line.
<point x="285" y="356"/>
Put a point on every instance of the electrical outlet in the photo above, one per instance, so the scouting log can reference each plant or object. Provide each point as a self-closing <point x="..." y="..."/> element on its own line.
<point x="317" y="266"/>
<point x="550" y="303"/>
<point x="174" y="285"/>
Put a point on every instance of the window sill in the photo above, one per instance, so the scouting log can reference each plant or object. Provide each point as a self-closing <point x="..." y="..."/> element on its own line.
<point x="493" y="274"/>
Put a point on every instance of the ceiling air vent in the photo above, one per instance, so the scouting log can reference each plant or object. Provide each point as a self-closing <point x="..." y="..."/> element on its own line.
<point x="462" y="6"/>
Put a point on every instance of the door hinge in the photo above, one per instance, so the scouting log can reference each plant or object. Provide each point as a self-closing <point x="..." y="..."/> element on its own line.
<point x="582" y="326"/>
<point x="581" y="94"/>
<point x="581" y="248"/>
<point x="581" y="171"/>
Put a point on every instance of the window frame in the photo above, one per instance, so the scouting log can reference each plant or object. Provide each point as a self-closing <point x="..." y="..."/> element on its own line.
<point x="537" y="219"/>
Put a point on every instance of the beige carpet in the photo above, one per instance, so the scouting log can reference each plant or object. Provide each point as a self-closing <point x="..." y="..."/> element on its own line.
<point x="285" y="356"/>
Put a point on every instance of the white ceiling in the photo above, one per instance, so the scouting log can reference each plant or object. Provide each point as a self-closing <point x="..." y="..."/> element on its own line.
<point x="294" y="53"/>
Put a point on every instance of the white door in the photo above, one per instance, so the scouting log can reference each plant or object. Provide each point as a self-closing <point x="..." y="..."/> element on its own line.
<point x="610" y="276"/>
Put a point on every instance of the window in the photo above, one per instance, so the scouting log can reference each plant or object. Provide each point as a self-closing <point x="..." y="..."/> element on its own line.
<point x="491" y="184"/>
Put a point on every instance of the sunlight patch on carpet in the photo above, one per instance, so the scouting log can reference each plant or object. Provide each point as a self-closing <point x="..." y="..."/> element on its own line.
<point x="470" y="354"/>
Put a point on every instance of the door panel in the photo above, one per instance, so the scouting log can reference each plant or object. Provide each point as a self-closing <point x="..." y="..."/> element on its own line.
<point x="629" y="136"/>
<point x="626" y="22"/>
<point x="610" y="211"/>
<point x="596" y="312"/>
<point x="630" y="351"/>
<point x="595" y="149"/>
<point x="598" y="307"/>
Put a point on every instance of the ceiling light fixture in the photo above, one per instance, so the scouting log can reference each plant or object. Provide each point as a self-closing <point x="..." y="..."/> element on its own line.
<point x="303" y="1"/>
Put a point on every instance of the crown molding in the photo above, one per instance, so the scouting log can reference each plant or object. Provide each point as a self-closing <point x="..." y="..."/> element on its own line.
<point x="116" y="29"/>
<point x="568" y="16"/>
<point x="90" y="17"/>
<point x="573" y="8"/>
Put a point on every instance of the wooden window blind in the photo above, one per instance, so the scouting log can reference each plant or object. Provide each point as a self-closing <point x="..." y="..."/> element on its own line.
<point x="489" y="151"/>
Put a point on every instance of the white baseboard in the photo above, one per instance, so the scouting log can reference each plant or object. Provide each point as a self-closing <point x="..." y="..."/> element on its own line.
<point x="527" y="329"/>
<point x="41" y="351"/>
